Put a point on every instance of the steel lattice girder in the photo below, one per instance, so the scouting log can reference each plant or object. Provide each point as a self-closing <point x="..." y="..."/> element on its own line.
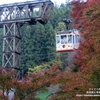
<point x="26" y="12"/>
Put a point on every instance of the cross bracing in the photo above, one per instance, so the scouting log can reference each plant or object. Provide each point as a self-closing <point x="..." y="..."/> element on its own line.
<point x="11" y="46"/>
<point x="12" y="18"/>
<point x="30" y="11"/>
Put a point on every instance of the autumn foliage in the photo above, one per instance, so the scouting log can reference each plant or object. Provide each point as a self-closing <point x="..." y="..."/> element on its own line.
<point x="29" y="86"/>
<point x="86" y="17"/>
<point x="88" y="22"/>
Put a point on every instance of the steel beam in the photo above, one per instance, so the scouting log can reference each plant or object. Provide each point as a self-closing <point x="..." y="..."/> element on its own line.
<point x="34" y="11"/>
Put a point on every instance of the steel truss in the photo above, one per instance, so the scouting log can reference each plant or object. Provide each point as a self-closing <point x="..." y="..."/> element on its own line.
<point x="30" y="11"/>
<point x="11" y="47"/>
<point x="12" y="17"/>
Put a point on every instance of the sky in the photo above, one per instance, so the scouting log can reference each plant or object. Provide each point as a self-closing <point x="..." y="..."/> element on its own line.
<point x="58" y="2"/>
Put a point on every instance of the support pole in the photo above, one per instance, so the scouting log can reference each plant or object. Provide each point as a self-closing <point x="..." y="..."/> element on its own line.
<point x="11" y="47"/>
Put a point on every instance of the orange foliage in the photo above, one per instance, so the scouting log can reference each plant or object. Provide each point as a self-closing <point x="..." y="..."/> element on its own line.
<point x="86" y="17"/>
<point x="87" y="20"/>
<point x="89" y="52"/>
<point x="27" y="88"/>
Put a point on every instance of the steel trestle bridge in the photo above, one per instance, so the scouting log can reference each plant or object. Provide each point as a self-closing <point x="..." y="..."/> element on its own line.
<point x="12" y="18"/>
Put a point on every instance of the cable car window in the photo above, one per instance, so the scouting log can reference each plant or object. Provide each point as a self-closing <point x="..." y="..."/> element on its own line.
<point x="63" y="39"/>
<point x="57" y="39"/>
<point x="77" y="38"/>
<point x="70" y="38"/>
<point x="73" y="39"/>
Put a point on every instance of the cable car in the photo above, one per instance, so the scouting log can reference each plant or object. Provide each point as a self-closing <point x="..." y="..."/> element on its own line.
<point x="67" y="41"/>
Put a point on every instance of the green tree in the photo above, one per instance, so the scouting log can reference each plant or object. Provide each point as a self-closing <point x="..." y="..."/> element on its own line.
<point x="38" y="44"/>
<point x="49" y="41"/>
<point x="61" y="26"/>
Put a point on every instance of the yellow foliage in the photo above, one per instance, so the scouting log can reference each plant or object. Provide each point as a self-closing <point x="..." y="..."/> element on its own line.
<point x="38" y="68"/>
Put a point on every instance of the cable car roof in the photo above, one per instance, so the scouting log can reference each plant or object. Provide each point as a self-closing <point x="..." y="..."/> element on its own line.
<point x="75" y="31"/>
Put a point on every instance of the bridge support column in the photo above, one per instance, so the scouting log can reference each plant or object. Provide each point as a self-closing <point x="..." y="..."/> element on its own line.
<point x="11" y="47"/>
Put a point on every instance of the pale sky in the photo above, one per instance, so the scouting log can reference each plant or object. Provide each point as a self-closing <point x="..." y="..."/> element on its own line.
<point x="58" y="2"/>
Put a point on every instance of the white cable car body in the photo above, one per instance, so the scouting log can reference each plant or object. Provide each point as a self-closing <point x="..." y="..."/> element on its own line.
<point x="67" y="41"/>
